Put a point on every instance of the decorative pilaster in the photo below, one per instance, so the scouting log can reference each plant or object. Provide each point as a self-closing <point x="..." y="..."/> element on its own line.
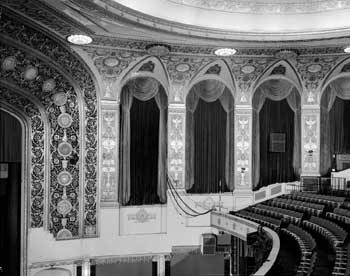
<point x="243" y="148"/>
<point x="110" y="152"/>
<point x="310" y="144"/>
<point x="176" y="143"/>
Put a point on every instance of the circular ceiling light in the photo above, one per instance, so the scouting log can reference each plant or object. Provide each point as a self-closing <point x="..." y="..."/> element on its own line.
<point x="347" y="49"/>
<point x="225" y="52"/>
<point x="79" y="39"/>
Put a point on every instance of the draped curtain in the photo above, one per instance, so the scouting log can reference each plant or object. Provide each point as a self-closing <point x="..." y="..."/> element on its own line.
<point x="276" y="90"/>
<point x="209" y="94"/>
<point x="10" y="141"/>
<point x="146" y="91"/>
<point x="335" y="132"/>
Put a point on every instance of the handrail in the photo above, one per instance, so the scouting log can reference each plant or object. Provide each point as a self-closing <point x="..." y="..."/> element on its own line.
<point x="270" y="260"/>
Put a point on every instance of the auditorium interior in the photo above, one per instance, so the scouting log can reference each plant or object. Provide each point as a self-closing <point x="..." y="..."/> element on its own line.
<point x="174" y="137"/>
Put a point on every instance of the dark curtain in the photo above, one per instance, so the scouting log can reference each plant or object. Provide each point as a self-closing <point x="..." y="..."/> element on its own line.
<point x="10" y="219"/>
<point x="276" y="117"/>
<point x="144" y="124"/>
<point x="11" y="143"/>
<point x="339" y="126"/>
<point x="209" y="147"/>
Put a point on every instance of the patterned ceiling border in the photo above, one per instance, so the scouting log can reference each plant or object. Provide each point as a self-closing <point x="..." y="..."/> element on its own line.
<point x="63" y="25"/>
<point x="267" y="7"/>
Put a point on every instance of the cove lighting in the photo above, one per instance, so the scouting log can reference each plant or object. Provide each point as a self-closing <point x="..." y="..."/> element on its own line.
<point x="225" y="52"/>
<point x="79" y="39"/>
<point x="347" y="49"/>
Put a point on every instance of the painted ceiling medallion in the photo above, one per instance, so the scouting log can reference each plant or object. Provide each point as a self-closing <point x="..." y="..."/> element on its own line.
<point x="64" y="207"/>
<point x="286" y="54"/>
<point x="49" y="85"/>
<point x="64" y="178"/>
<point x="30" y="73"/>
<point x="314" y="68"/>
<point x="182" y="67"/>
<point x="111" y="61"/>
<point x="64" y="120"/>
<point x="225" y="52"/>
<point x="60" y="98"/>
<point x="248" y="69"/>
<point x="65" y="149"/>
<point x="9" y="63"/>
<point x="158" y="49"/>
<point x="79" y="39"/>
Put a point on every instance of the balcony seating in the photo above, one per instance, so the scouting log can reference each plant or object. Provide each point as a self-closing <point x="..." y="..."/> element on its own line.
<point x="266" y="221"/>
<point x="306" y="245"/>
<point x="334" y="201"/>
<point x="297" y="205"/>
<point x="277" y="212"/>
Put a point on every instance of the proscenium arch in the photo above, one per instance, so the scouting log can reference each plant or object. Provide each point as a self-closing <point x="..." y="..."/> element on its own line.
<point x="220" y="103"/>
<point x="296" y="102"/>
<point x="24" y="121"/>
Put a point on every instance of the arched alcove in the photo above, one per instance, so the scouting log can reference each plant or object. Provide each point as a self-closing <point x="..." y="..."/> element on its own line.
<point x="335" y="129"/>
<point x="143" y="135"/>
<point x="209" y="138"/>
<point x="276" y="135"/>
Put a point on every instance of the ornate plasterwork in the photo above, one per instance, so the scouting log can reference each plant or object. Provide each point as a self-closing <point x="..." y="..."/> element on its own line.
<point x="176" y="145"/>
<point x="68" y="62"/>
<point x="64" y="140"/>
<point x="310" y="142"/>
<point x="267" y="7"/>
<point x="37" y="135"/>
<point x="181" y="70"/>
<point x="247" y="71"/>
<point x="243" y="122"/>
<point x="110" y="138"/>
<point x="312" y="71"/>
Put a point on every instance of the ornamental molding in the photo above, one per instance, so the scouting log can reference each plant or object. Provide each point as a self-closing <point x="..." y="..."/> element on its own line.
<point x="267" y="7"/>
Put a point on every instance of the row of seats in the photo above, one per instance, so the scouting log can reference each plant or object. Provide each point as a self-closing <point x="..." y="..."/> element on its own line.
<point x="341" y="254"/>
<point x="266" y="221"/>
<point x="306" y="245"/>
<point x="296" y="205"/>
<point x="341" y="211"/>
<point x="333" y="201"/>
<point x="334" y="228"/>
<point x="277" y="212"/>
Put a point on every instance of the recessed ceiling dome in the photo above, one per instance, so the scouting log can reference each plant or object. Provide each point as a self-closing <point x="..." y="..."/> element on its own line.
<point x="243" y="19"/>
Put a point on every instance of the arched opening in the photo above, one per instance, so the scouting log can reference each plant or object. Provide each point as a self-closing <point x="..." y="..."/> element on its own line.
<point x="335" y="129"/>
<point x="209" y="138"/>
<point x="10" y="193"/>
<point x="143" y="135"/>
<point x="276" y="133"/>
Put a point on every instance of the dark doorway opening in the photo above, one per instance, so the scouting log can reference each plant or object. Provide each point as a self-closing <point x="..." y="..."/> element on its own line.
<point x="10" y="194"/>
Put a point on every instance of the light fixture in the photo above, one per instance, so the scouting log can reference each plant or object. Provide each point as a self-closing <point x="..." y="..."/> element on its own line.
<point x="79" y="39"/>
<point x="225" y="52"/>
<point x="347" y="49"/>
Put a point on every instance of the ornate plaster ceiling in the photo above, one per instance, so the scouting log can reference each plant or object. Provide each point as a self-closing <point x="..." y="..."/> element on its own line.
<point x="246" y="19"/>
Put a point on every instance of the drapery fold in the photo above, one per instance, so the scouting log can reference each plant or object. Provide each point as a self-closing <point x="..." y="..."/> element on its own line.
<point x="275" y="90"/>
<point x="335" y="103"/>
<point x="209" y="91"/>
<point x="142" y="89"/>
